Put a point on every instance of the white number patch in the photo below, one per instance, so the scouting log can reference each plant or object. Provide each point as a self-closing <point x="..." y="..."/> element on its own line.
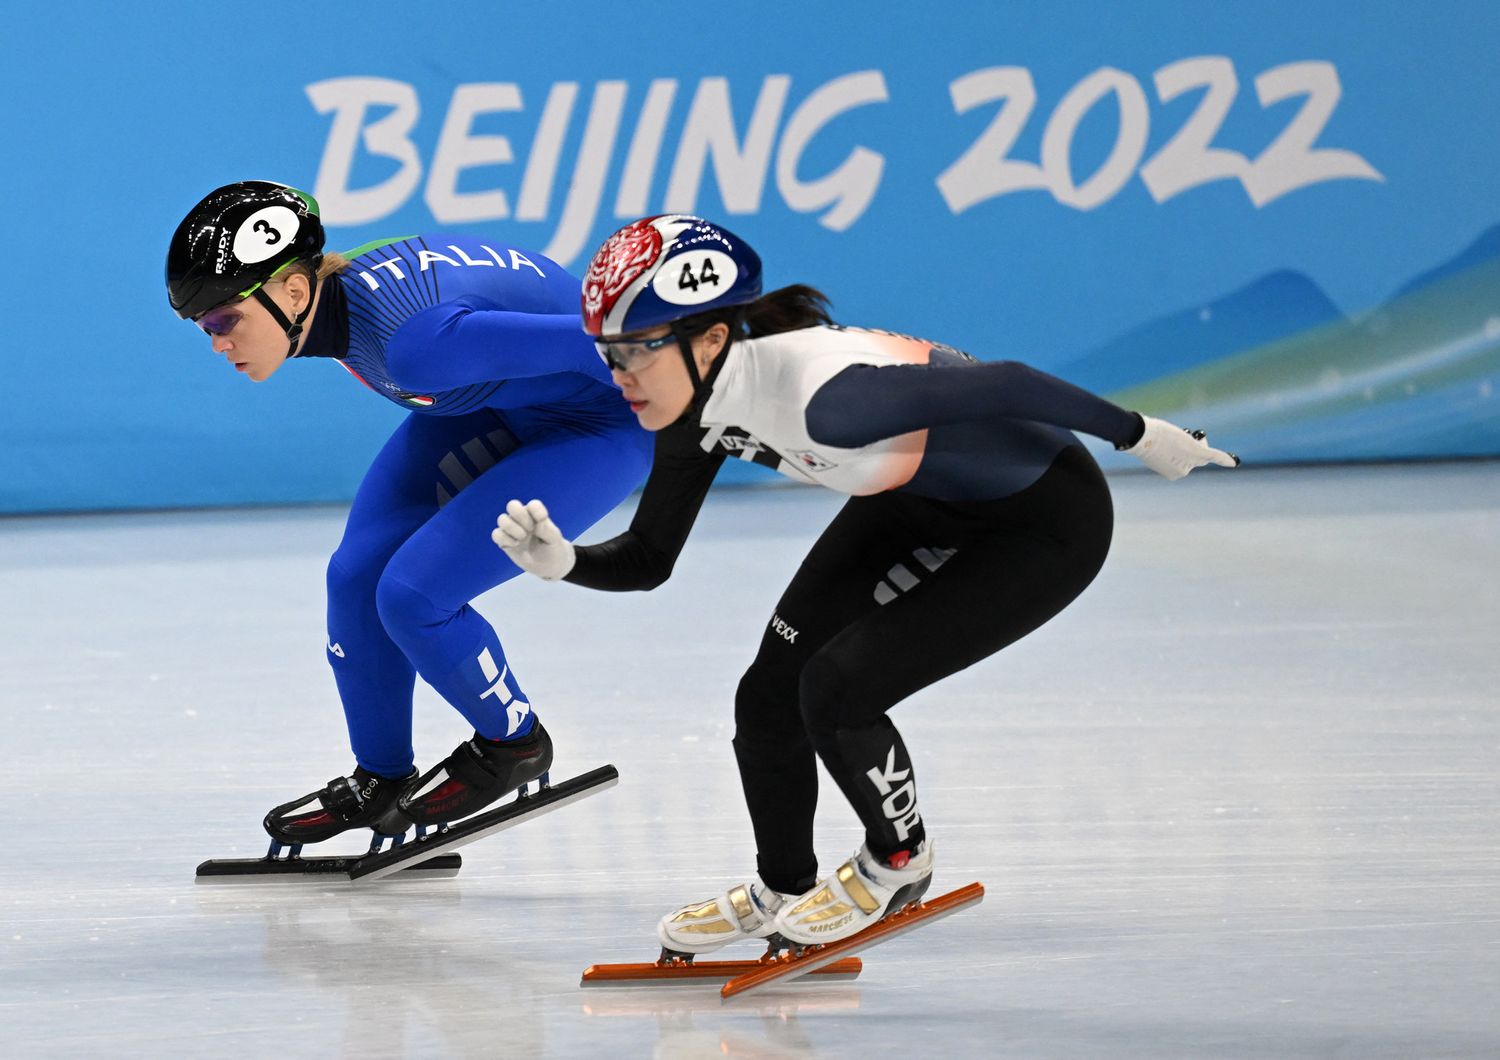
<point x="695" y="277"/>
<point x="265" y="233"/>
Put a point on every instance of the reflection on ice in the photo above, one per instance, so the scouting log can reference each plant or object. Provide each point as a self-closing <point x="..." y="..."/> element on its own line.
<point x="1239" y="800"/>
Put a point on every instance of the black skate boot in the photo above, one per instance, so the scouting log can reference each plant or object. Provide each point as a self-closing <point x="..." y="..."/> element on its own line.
<point x="363" y="800"/>
<point x="476" y="774"/>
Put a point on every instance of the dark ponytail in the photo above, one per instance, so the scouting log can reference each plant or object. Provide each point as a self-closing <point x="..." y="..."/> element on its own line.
<point x="786" y="309"/>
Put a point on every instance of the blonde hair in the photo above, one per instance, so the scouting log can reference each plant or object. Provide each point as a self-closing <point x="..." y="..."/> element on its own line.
<point x="333" y="262"/>
<point x="330" y="265"/>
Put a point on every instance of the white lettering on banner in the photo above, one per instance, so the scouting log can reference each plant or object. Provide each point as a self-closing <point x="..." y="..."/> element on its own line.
<point x="390" y="137"/>
<point x="1130" y="141"/>
<point x="740" y="169"/>
<point x="983" y="171"/>
<point x="1290" y="162"/>
<point x="541" y="163"/>
<point x="1187" y="161"/>
<point x="851" y="186"/>
<point x="458" y="149"/>
<point x="740" y="165"/>
<point x="741" y="160"/>
<point x="587" y="187"/>
<point x="645" y="146"/>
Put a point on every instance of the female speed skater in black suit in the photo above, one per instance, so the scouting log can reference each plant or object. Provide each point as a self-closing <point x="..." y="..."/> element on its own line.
<point x="976" y="515"/>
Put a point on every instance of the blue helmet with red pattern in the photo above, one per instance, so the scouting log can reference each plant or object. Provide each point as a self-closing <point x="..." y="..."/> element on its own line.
<point x="661" y="269"/>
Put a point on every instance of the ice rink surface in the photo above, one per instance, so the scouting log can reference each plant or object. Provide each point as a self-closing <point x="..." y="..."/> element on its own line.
<point x="1242" y="799"/>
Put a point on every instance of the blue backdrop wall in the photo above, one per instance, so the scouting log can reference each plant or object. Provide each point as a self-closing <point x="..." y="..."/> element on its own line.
<point x="1275" y="220"/>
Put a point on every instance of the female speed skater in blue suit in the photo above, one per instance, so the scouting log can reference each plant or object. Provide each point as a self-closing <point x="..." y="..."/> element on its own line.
<point x="482" y="343"/>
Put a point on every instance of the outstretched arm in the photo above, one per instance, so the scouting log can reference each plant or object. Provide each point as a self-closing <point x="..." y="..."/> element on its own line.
<point x="465" y="341"/>
<point x="865" y="403"/>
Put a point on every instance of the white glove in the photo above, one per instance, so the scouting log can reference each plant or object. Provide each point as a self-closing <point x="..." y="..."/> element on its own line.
<point x="1173" y="451"/>
<point x="527" y="534"/>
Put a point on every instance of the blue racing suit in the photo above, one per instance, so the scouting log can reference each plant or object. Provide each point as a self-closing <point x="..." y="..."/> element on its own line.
<point x="508" y="398"/>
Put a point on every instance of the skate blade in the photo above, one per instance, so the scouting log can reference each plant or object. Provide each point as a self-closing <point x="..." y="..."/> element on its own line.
<point x="321" y="870"/>
<point x="669" y="974"/>
<point x="784" y="968"/>
<point x="522" y="808"/>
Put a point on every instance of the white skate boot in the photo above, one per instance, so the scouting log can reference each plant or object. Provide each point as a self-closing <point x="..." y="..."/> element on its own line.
<point x="747" y="911"/>
<point x="860" y="892"/>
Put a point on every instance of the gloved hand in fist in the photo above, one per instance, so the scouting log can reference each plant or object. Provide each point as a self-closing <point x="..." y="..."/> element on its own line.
<point x="527" y="534"/>
<point x="1173" y="451"/>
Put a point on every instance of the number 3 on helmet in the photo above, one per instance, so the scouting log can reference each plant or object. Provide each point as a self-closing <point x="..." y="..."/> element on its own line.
<point x="662" y="269"/>
<point x="235" y="240"/>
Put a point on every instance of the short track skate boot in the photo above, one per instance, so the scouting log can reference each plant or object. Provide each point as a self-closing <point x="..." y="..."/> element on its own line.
<point x="744" y="912"/>
<point x="860" y="892"/>
<point x="476" y="774"/>
<point x="364" y="800"/>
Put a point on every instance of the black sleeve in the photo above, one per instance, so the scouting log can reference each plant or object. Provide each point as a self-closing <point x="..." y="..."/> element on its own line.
<point x="643" y="556"/>
<point x="865" y="403"/>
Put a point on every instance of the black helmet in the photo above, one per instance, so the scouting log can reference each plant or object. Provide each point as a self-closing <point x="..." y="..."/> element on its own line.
<point x="236" y="239"/>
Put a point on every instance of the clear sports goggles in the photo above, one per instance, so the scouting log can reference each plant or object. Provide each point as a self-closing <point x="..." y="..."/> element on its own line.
<point x="625" y="355"/>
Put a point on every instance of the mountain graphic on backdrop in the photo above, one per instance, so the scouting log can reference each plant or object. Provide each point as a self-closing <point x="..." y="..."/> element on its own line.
<point x="1276" y="305"/>
<point x="1280" y="369"/>
<point x="1485" y="248"/>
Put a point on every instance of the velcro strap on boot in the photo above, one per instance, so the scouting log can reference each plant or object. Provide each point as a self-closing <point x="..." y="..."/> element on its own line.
<point x="341" y="797"/>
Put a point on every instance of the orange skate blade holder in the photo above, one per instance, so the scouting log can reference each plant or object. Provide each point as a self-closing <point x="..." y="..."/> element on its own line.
<point x="816" y="958"/>
<point x="662" y="973"/>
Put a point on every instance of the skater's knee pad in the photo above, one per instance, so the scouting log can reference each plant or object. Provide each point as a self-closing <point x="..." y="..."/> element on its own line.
<point x="766" y="699"/>
<point x="823" y="696"/>
<point x="764" y="744"/>
<point x="406" y="608"/>
<point x="352" y="578"/>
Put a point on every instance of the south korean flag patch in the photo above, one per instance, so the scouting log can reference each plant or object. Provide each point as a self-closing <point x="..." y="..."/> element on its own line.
<point x="811" y="461"/>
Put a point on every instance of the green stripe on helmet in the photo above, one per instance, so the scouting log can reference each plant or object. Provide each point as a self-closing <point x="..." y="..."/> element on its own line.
<point x="248" y="291"/>
<point x="312" y="204"/>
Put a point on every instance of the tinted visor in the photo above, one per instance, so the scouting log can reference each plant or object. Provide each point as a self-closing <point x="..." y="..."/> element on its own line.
<point x="221" y="320"/>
